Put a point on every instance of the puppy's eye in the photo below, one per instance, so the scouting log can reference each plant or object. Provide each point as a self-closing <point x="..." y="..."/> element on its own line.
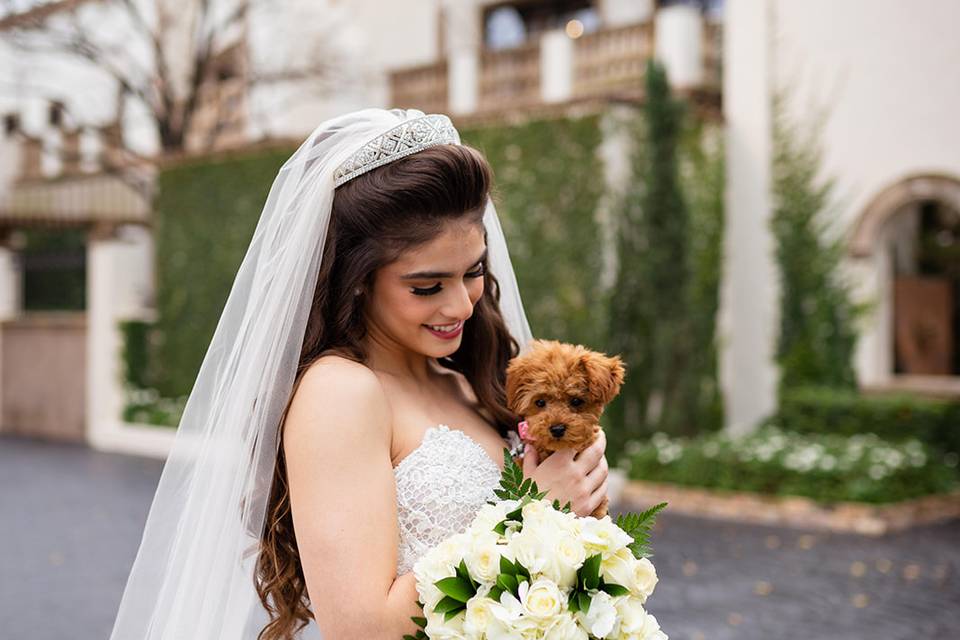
<point x="540" y="403"/>
<point x="576" y="402"/>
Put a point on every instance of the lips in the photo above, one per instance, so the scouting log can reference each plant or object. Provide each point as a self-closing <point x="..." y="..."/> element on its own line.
<point x="452" y="332"/>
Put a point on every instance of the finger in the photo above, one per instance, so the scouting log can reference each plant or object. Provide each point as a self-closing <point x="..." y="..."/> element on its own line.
<point x="599" y="473"/>
<point x="530" y="460"/>
<point x="597" y="496"/>
<point x="590" y="456"/>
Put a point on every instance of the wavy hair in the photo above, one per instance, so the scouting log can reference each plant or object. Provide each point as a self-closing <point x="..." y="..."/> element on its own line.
<point x="376" y="217"/>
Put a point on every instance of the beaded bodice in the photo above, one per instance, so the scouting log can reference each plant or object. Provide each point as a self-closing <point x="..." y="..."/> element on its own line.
<point x="440" y="487"/>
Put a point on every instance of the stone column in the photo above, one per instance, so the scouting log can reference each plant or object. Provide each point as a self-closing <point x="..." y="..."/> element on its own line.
<point x="556" y="66"/>
<point x="749" y="316"/>
<point x="462" y="39"/>
<point x="11" y="279"/>
<point x="119" y="285"/>
<point x="679" y="45"/>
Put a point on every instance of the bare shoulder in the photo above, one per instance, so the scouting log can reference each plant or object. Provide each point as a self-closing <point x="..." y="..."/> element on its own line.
<point x="336" y="392"/>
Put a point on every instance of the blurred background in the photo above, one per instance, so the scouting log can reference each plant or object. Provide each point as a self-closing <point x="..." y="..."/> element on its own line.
<point x="755" y="202"/>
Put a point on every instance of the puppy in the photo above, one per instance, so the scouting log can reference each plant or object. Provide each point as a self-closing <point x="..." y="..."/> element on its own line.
<point x="561" y="390"/>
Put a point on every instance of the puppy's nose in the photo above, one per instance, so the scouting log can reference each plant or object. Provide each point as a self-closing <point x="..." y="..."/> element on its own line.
<point x="557" y="430"/>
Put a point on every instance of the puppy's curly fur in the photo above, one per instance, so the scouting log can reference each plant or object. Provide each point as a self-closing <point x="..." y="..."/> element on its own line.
<point x="561" y="390"/>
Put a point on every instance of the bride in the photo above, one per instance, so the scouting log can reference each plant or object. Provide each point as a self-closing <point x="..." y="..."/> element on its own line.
<point x="350" y="411"/>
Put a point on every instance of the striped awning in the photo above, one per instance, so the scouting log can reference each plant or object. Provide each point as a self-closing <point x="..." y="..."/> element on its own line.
<point x="74" y="200"/>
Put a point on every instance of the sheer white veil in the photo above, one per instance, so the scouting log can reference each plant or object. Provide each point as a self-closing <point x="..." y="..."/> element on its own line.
<point x="193" y="576"/>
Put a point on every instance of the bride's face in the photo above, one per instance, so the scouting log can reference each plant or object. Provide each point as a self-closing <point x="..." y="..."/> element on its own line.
<point x="435" y="284"/>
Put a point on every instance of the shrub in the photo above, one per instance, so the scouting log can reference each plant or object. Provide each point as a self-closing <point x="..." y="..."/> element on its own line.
<point x="892" y="417"/>
<point x="825" y="467"/>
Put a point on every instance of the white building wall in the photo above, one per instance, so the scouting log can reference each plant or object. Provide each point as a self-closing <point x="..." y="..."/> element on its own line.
<point x="888" y="73"/>
<point x="884" y="72"/>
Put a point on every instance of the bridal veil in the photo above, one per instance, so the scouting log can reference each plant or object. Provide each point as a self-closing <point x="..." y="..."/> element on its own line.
<point x="193" y="574"/>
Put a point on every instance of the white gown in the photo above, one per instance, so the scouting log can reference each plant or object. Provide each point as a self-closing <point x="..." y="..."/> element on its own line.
<point x="440" y="487"/>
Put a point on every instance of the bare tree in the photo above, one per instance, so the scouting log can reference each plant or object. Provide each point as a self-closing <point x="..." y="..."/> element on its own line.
<point x="172" y="56"/>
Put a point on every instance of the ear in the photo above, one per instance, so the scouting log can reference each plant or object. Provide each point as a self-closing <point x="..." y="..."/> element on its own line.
<point x="521" y="384"/>
<point x="605" y="375"/>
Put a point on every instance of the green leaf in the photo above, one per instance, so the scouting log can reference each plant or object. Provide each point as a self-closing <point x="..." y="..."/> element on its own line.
<point x="456" y="588"/>
<point x="583" y="602"/>
<point x="446" y="604"/>
<point x="638" y="527"/>
<point x="452" y="613"/>
<point x="522" y="571"/>
<point x="495" y="593"/>
<point x="508" y="582"/>
<point x="464" y="574"/>
<point x="513" y="486"/>
<point x="591" y="571"/>
<point x="420" y="621"/>
<point x="614" y="589"/>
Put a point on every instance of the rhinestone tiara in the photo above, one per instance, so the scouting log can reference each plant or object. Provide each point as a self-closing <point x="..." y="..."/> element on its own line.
<point x="406" y="138"/>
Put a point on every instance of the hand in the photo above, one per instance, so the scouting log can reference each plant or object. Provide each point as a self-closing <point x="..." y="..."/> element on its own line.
<point x="579" y="479"/>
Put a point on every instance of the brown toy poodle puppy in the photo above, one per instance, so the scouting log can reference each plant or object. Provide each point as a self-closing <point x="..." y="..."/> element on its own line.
<point x="560" y="390"/>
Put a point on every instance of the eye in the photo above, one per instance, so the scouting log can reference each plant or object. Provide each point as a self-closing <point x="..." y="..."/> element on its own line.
<point x="540" y="402"/>
<point x="426" y="292"/>
<point x="417" y="291"/>
<point x="576" y="402"/>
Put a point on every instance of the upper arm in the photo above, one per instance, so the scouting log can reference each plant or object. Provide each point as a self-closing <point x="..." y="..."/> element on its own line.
<point x="336" y="441"/>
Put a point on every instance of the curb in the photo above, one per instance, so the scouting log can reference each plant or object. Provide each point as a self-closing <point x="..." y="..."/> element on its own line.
<point x="796" y="512"/>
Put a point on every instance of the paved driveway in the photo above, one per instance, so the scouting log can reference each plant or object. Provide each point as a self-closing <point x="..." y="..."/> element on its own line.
<point x="70" y="523"/>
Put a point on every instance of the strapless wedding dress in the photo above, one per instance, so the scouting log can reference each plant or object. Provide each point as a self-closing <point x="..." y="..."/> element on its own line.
<point x="440" y="487"/>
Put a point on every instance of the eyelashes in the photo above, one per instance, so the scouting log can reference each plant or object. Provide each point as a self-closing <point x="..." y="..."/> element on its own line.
<point x="417" y="291"/>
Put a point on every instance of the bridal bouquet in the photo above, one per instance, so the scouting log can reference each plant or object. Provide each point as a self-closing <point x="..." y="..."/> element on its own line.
<point x="529" y="569"/>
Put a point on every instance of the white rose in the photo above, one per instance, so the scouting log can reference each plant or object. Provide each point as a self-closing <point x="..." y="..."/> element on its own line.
<point x="489" y="516"/>
<point x="639" y="576"/>
<point x="644" y="577"/>
<point x="602" y="536"/>
<point x="478" y="617"/>
<point x="651" y="629"/>
<point x="542" y="599"/>
<point x="438" y="629"/>
<point x="618" y="568"/>
<point x="509" y="621"/>
<point x="566" y="558"/>
<point x="536" y="509"/>
<point x="483" y="557"/>
<point x="438" y="563"/>
<point x="633" y="617"/>
<point x="601" y="619"/>
<point x="532" y="548"/>
<point x="565" y="627"/>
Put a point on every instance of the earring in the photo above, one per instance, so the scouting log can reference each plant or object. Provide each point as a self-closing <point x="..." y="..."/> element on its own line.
<point x="357" y="291"/>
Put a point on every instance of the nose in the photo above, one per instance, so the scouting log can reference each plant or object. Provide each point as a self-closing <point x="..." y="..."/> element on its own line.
<point x="557" y="430"/>
<point x="459" y="305"/>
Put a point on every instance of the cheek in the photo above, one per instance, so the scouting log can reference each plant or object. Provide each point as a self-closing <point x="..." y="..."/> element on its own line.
<point x="476" y="290"/>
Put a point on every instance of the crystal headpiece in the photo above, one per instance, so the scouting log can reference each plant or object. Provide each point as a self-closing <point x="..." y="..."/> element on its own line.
<point x="411" y="136"/>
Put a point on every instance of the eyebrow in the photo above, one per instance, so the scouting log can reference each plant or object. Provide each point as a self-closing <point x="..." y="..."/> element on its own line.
<point x="428" y="275"/>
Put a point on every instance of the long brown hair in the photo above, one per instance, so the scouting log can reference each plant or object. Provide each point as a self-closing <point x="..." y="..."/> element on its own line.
<point x="376" y="217"/>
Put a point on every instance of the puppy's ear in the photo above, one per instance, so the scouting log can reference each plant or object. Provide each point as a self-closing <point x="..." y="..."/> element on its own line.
<point x="519" y="385"/>
<point x="605" y="374"/>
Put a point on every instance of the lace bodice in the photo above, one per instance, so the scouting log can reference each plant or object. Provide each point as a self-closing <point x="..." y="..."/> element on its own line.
<point x="440" y="487"/>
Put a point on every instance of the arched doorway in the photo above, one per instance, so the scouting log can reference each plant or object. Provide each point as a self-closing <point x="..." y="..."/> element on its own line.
<point x="909" y="240"/>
